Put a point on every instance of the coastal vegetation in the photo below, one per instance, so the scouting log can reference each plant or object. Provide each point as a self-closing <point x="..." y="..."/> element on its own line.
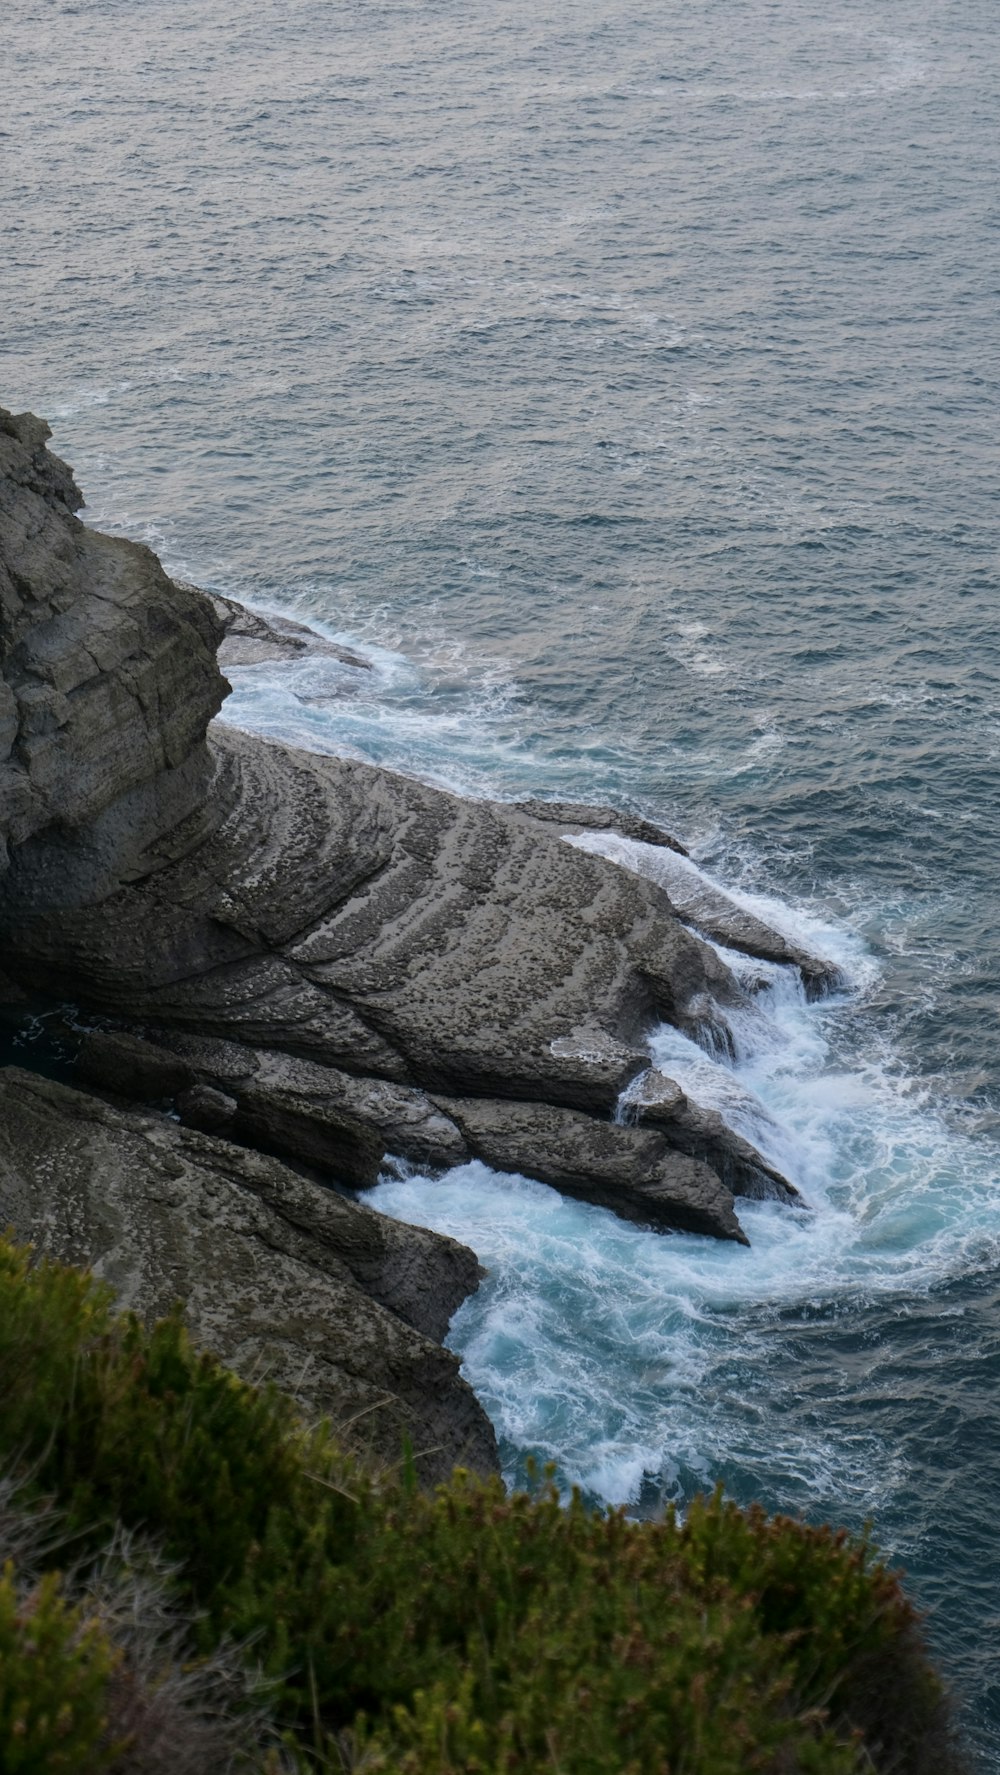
<point x="195" y="1578"/>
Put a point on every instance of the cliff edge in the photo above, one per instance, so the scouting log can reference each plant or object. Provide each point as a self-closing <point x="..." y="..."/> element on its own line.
<point x="314" y="957"/>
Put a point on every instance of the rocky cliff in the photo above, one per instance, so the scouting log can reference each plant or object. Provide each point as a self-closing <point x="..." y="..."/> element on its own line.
<point x="312" y="956"/>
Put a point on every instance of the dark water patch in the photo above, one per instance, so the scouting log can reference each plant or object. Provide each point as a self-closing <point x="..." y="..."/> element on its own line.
<point x="40" y="1036"/>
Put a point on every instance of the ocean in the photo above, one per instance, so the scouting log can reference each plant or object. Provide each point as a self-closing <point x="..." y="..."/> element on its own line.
<point x="623" y="380"/>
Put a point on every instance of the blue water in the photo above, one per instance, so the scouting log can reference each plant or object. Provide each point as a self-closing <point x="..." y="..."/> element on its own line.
<point x="624" y="380"/>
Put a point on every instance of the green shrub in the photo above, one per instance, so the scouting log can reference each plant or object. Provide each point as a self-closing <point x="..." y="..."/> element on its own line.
<point x="54" y="1670"/>
<point x="466" y="1632"/>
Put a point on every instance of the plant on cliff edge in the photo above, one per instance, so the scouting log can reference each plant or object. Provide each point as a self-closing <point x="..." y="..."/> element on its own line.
<point x="466" y="1632"/>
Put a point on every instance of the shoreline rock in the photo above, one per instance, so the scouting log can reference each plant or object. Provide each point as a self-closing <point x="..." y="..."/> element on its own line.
<point x="312" y="956"/>
<point x="280" y="1277"/>
<point x="256" y="637"/>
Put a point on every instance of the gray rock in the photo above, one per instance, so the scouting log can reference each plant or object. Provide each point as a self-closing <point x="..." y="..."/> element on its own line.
<point x="109" y="679"/>
<point x="581" y="816"/>
<point x="256" y="637"/>
<point x="201" y="1106"/>
<point x="375" y="924"/>
<point x="281" y="1278"/>
<point x="296" y="1108"/>
<point x="632" y="1171"/>
<point x="697" y="1129"/>
<point x="299" y="1109"/>
<point x="129" y="1067"/>
<point x="331" y="920"/>
<point x="707" y="909"/>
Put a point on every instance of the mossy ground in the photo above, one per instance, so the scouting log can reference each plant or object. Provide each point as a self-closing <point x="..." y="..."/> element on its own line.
<point x="464" y="1632"/>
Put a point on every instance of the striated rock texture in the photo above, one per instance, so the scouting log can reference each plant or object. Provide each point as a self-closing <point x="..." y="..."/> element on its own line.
<point x="333" y="961"/>
<point x="280" y="1277"/>
<point x="109" y="681"/>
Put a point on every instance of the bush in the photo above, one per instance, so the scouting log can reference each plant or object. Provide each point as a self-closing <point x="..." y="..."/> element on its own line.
<point x="468" y="1632"/>
<point x="54" y="1671"/>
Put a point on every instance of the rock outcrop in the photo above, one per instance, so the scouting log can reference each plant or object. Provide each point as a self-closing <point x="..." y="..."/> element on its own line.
<point x="280" y="1277"/>
<point x="109" y="680"/>
<point x="256" y="638"/>
<point x="314" y="957"/>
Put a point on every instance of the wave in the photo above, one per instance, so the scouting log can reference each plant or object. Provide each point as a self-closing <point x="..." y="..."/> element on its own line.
<point x="644" y="1364"/>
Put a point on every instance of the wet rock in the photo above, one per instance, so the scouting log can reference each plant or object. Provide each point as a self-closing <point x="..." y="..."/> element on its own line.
<point x="281" y="1278"/>
<point x="632" y="1171"/>
<point x="708" y="909"/>
<point x="581" y="816"/>
<point x="300" y="1109"/>
<point x="255" y="637"/>
<point x="697" y="1129"/>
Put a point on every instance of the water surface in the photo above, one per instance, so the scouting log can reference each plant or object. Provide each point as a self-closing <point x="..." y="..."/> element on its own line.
<point x="625" y="380"/>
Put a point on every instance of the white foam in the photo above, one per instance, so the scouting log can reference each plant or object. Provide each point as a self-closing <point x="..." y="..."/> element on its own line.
<point x="630" y="1357"/>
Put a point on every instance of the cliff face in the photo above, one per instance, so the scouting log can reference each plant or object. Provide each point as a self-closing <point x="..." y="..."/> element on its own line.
<point x="109" y="681"/>
<point x="312" y="956"/>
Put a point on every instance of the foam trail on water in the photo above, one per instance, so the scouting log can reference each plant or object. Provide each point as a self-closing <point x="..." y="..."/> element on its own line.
<point x="450" y="718"/>
<point x="645" y="1364"/>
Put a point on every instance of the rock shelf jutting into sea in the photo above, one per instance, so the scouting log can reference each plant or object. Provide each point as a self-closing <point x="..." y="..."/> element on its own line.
<point x="594" y="408"/>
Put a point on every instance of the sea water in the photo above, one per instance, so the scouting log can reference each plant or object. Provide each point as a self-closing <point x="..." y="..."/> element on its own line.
<point x="623" y="381"/>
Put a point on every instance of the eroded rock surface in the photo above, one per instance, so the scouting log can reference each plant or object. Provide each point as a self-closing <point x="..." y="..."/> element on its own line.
<point x="257" y="637"/>
<point x="280" y="1277"/>
<point x="376" y="924"/>
<point x="108" y="683"/>
<point x="701" y="1131"/>
<point x="392" y="967"/>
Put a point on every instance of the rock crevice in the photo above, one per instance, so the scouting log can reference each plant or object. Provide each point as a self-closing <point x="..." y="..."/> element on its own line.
<point x="313" y="956"/>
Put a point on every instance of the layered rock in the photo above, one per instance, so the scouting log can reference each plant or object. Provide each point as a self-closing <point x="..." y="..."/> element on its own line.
<point x="256" y="637"/>
<point x="109" y="681"/>
<point x="280" y="1277"/>
<point x="334" y="961"/>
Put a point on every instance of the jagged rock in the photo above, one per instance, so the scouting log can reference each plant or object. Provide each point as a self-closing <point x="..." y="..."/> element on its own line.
<point x="296" y="1108"/>
<point x="633" y="1171"/>
<point x="278" y="1276"/>
<point x="708" y="909"/>
<point x="712" y="912"/>
<point x="299" y="1109"/>
<point x="581" y="816"/>
<point x="323" y="911"/>
<point x="254" y="637"/>
<point x="697" y="1129"/>
<point x="108" y="680"/>
<point x="284" y="1103"/>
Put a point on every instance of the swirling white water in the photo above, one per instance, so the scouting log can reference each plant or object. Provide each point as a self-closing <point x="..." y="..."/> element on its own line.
<point x="624" y="380"/>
